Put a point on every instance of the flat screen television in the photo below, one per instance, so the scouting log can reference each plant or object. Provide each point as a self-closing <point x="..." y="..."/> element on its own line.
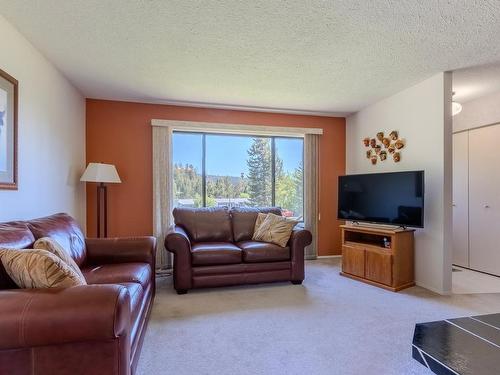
<point x="395" y="198"/>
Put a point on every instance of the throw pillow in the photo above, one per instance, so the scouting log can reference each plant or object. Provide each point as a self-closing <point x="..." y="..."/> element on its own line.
<point x="30" y="268"/>
<point x="258" y="222"/>
<point x="52" y="246"/>
<point x="275" y="229"/>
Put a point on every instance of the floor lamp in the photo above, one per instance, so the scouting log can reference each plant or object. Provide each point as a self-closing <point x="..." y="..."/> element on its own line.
<point x="101" y="174"/>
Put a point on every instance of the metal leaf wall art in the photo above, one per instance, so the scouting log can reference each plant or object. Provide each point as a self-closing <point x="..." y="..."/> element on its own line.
<point x="382" y="147"/>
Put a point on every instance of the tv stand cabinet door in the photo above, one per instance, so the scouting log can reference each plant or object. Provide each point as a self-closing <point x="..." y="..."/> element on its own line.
<point x="379" y="267"/>
<point x="353" y="260"/>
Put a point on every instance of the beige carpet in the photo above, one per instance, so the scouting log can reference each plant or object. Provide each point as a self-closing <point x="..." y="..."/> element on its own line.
<point x="329" y="325"/>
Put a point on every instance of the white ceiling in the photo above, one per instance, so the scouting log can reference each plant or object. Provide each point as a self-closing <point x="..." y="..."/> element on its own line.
<point x="320" y="56"/>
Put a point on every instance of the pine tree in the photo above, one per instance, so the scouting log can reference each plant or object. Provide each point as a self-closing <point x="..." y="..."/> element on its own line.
<point x="298" y="179"/>
<point x="290" y="190"/>
<point x="278" y="168"/>
<point x="259" y="172"/>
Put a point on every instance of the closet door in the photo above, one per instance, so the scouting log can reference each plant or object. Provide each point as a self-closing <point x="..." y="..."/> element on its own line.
<point x="461" y="199"/>
<point x="484" y="199"/>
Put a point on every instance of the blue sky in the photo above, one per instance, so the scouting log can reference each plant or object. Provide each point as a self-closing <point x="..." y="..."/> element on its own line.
<point x="227" y="154"/>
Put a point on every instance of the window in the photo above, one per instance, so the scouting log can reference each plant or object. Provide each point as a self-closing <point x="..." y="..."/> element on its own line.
<point x="227" y="172"/>
<point x="238" y="170"/>
<point x="289" y="176"/>
<point x="188" y="161"/>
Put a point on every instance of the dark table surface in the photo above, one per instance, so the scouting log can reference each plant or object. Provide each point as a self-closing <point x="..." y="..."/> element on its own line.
<point x="468" y="345"/>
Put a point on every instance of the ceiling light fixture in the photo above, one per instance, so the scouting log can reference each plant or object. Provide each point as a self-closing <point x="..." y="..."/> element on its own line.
<point x="456" y="107"/>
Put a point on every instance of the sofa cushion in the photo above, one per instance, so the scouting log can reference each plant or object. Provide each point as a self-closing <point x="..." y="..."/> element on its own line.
<point x="15" y="235"/>
<point x="255" y="252"/>
<point x="118" y="273"/>
<point x="243" y="219"/>
<point x="209" y="224"/>
<point x="65" y="230"/>
<point x="206" y="253"/>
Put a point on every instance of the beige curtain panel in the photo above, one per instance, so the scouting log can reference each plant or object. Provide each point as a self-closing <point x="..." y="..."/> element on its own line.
<point x="162" y="192"/>
<point x="311" y="191"/>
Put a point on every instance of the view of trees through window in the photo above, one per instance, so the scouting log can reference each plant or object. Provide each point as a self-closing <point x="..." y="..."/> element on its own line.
<point x="233" y="170"/>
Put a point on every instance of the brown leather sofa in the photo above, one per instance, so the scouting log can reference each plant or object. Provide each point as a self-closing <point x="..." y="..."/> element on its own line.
<point x="213" y="247"/>
<point x="92" y="329"/>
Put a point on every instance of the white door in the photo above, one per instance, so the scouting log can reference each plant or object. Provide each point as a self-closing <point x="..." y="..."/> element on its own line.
<point x="461" y="199"/>
<point x="484" y="199"/>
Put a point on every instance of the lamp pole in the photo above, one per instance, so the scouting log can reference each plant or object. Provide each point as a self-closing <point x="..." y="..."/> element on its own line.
<point x="102" y="208"/>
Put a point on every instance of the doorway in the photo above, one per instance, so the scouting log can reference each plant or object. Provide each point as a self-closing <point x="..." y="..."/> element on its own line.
<point x="476" y="180"/>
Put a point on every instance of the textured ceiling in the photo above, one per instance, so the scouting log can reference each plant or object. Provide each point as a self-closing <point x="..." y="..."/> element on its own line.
<point x="324" y="56"/>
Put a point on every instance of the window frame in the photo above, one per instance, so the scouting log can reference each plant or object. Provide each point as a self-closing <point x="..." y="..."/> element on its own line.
<point x="273" y="160"/>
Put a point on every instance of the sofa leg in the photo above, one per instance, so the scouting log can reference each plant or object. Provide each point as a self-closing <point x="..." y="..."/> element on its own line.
<point x="296" y="282"/>
<point x="181" y="291"/>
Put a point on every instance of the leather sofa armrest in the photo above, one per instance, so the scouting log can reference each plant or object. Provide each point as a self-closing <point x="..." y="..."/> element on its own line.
<point x="298" y="241"/>
<point x="121" y="250"/>
<point x="177" y="241"/>
<point x="36" y="317"/>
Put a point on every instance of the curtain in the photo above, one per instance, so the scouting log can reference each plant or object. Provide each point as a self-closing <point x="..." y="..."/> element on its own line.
<point x="162" y="192"/>
<point x="311" y="191"/>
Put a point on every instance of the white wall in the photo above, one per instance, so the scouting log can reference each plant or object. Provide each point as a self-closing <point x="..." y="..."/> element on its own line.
<point x="478" y="112"/>
<point x="422" y="115"/>
<point x="51" y="148"/>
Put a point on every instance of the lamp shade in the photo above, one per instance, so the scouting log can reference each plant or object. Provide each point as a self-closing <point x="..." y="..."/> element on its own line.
<point x="98" y="172"/>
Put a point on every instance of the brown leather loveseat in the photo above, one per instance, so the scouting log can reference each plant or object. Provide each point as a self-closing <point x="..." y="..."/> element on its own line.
<point x="213" y="247"/>
<point x="93" y="329"/>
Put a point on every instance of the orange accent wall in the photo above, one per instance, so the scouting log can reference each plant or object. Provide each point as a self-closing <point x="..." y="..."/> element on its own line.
<point x="120" y="133"/>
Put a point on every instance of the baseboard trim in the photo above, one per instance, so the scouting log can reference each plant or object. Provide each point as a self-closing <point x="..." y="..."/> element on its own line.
<point x="329" y="256"/>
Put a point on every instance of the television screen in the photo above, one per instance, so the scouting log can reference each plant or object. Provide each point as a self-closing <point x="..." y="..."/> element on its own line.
<point x="388" y="198"/>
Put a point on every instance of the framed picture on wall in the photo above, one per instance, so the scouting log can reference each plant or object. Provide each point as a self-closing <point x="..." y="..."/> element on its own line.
<point x="8" y="131"/>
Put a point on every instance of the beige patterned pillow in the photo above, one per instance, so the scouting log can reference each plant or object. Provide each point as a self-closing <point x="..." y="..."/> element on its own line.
<point x="258" y="222"/>
<point x="30" y="268"/>
<point x="52" y="246"/>
<point x="275" y="229"/>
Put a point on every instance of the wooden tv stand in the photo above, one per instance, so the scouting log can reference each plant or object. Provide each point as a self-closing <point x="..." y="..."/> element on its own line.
<point x="365" y="258"/>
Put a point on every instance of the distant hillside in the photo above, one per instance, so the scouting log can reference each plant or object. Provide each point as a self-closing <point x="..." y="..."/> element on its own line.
<point x="234" y="179"/>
